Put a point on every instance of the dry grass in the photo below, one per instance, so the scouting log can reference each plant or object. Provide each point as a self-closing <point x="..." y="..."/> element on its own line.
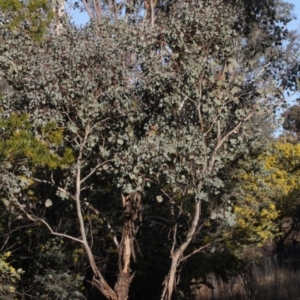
<point x="265" y="282"/>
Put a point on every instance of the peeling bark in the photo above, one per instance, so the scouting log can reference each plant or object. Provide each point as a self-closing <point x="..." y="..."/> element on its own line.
<point x="132" y="216"/>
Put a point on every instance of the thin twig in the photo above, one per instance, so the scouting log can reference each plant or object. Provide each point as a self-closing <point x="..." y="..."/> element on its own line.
<point x="36" y="219"/>
<point x="174" y="238"/>
<point x="93" y="170"/>
<point x="201" y="248"/>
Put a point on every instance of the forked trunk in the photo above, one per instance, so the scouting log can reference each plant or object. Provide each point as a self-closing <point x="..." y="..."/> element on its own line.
<point x="132" y="218"/>
<point x="176" y="255"/>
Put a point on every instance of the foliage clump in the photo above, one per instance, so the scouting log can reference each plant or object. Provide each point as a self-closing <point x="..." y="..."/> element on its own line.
<point x="9" y="277"/>
<point x="19" y="143"/>
<point x="31" y="17"/>
<point x="266" y="190"/>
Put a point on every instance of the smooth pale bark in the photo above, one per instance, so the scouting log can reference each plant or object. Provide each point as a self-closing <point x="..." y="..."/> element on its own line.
<point x="58" y="7"/>
<point x="176" y="255"/>
<point x="131" y="217"/>
<point x="98" y="280"/>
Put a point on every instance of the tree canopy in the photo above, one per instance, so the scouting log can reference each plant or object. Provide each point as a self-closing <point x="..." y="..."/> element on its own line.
<point x="124" y="129"/>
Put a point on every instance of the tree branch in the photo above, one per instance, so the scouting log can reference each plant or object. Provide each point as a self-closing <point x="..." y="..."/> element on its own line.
<point x="201" y="248"/>
<point x="174" y="238"/>
<point x="221" y="141"/>
<point x="115" y="240"/>
<point x="99" y="279"/>
<point x="53" y="184"/>
<point x="93" y="170"/>
<point x="87" y="9"/>
<point x="151" y="13"/>
<point x="36" y="219"/>
<point x="97" y="8"/>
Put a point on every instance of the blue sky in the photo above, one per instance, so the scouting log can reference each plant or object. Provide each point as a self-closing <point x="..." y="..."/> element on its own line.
<point x="82" y="18"/>
<point x="295" y="24"/>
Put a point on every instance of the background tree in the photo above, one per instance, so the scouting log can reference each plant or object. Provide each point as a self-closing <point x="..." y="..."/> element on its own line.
<point x="31" y="17"/>
<point x="292" y="120"/>
<point x="267" y="189"/>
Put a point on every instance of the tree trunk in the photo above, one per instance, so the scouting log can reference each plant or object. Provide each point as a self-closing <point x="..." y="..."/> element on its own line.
<point x="132" y="216"/>
<point x="125" y="253"/>
<point x="170" y="280"/>
<point x="58" y="7"/>
<point x="122" y="285"/>
<point x="131" y="204"/>
<point x="176" y="255"/>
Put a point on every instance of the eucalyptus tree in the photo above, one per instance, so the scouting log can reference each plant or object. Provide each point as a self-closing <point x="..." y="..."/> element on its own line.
<point x="75" y="80"/>
<point x="155" y="111"/>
